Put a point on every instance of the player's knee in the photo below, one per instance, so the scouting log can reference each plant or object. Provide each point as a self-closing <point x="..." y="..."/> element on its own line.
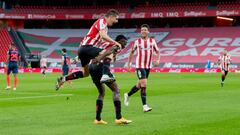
<point x="116" y="95"/>
<point x="143" y="83"/>
<point x="85" y="73"/>
<point x="101" y="96"/>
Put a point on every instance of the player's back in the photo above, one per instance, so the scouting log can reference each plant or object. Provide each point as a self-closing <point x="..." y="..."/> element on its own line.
<point x="13" y="55"/>
<point x="93" y="37"/>
<point x="66" y="60"/>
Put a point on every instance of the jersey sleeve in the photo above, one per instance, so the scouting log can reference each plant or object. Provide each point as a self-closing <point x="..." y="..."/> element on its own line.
<point x="101" y="25"/>
<point x="134" y="47"/>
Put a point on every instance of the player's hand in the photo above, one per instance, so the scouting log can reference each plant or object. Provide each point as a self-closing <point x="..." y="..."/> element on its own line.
<point x="96" y="60"/>
<point x="74" y="61"/>
<point x="119" y="45"/>
<point x="156" y="63"/>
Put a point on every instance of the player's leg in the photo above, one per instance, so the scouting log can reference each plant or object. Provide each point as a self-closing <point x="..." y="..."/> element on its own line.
<point x="99" y="103"/>
<point x="117" y="103"/>
<point x="65" y="71"/>
<point x="9" y="70"/>
<point x="8" y="80"/>
<point x="85" y="54"/>
<point x="107" y="75"/>
<point x="226" y="73"/>
<point x="15" y="72"/>
<point x="143" y="86"/>
<point x="96" y="74"/>
<point x="107" y="56"/>
<point x="44" y="70"/>
<point x="15" y="82"/>
<point x="135" y="88"/>
<point x="223" y="77"/>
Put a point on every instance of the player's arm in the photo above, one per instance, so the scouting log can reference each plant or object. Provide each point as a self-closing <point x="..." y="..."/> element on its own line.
<point x="62" y="63"/>
<point x="114" y="57"/>
<point x="105" y="36"/>
<point x="75" y="60"/>
<point x="157" y="51"/>
<point x="8" y="56"/>
<point x="105" y="53"/>
<point x="102" y="32"/>
<point x="131" y="55"/>
<point x="19" y="57"/>
<point x="230" y="60"/>
<point x="158" y="58"/>
<point x="219" y="61"/>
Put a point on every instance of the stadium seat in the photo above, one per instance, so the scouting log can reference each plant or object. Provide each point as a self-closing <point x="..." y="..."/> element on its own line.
<point x="5" y="43"/>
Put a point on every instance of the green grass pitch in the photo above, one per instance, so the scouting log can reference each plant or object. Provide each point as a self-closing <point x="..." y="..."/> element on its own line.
<point x="183" y="104"/>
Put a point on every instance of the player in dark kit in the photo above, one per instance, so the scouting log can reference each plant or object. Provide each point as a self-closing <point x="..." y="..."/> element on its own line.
<point x="96" y="74"/>
<point x="65" y="62"/>
<point x="90" y="46"/>
<point x="12" y="67"/>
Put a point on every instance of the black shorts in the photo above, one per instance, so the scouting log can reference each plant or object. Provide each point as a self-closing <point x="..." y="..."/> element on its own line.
<point x="12" y="67"/>
<point x="86" y="53"/>
<point x="65" y="70"/>
<point x="142" y="73"/>
<point x="95" y="71"/>
<point x="225" y="71"/>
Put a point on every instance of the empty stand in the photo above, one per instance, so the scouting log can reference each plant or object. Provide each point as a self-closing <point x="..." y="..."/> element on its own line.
<point x="5" y="42"/>
<point x="179" y="45"/>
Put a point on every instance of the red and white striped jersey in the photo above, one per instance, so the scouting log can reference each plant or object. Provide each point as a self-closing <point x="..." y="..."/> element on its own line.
<point x="224" y="61"/>
<point x="145" y="49"/>
<point x="93" y="37"/>
<point x="105" y="45"/>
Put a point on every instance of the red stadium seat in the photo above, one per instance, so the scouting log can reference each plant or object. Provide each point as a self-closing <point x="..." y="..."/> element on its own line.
<point x="5" y="43"/>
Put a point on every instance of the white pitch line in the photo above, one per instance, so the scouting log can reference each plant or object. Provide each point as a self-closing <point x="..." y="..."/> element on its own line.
<point x="32" y="97"/>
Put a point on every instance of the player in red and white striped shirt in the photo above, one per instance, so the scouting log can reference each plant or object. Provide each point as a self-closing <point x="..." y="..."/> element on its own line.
<point x="145" y="48"/>
<point x="89" y="48"/>
<point x="224" y="60"/>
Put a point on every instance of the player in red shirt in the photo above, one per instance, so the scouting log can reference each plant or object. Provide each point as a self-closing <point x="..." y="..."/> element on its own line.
<point x="145" y="48"/>
<point x="89" y="48"/>
<point x="224" y="61"/>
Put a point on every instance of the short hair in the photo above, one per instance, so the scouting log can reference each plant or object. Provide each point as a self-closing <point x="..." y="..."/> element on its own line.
<point x="122" y="40"/>
<point x="112" y="12"/>
<point x="145" y="26"/>
<point x="64" y="50"/>
<point x="120" y="37"/>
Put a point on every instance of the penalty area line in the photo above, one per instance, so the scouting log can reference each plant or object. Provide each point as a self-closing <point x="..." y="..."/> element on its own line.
<point x="33" y="97"/>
